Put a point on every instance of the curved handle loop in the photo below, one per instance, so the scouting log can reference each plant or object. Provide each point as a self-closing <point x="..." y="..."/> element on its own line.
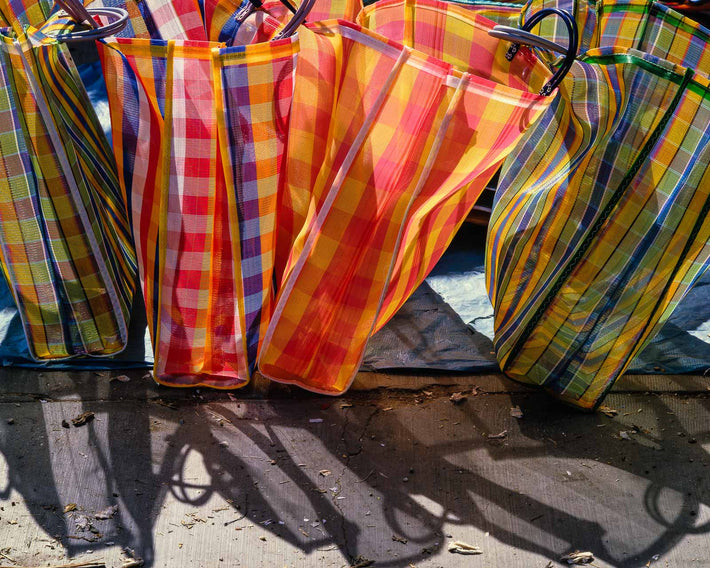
<point x="298" y="18"/>
<point x="118" y="19"/>
<point x="523" y="36"/>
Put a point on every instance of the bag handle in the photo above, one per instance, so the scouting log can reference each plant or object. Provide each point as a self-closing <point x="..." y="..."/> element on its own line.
<point x="298" y="18"/>
<point x="118" y="19"/>
<point x="523" y="36"/>
<point x="248" y="8"/>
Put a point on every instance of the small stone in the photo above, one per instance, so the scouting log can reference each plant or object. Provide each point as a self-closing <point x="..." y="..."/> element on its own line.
<point x="405" y="479"/>
<point x="10" y="421"/>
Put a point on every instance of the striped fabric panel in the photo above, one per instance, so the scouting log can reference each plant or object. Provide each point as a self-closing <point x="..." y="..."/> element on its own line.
<point x="257" y="83"/>
<point x="203" y="193"/>
<point x="159" y="19"/>
<point x="20" y="13"/>
<point x="505" y="13"/>
<point x="656" y="29"/>
<point x="404" y="112"/>
<point x="446" y="199"/>
<point x="334" y="9"/>
<point x="595" y="239"/>
<point x="584" y="12"/>
<point x="66" y="245"/>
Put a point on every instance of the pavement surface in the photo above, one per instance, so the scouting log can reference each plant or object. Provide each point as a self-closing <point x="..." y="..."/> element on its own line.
<point x="390" y="475"/>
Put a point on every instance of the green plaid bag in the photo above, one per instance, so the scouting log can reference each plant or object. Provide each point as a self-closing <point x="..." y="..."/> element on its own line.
<point x="600" y="224"/>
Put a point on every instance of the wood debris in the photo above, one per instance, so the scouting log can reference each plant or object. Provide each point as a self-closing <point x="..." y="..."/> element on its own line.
<point x="325" y="472"/>
<point x="500" y="436"/>
<point x="83" y="418"/>
<point x="459" y="547"/>
<point x="578" y="557"/>
<point x="396" y="538"/>
<point x="161" y="402"/>
<point x="69" y="507"/>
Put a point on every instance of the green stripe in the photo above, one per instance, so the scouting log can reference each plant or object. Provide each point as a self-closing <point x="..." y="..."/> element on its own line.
<point x="628" y="59"/>
<point x="603" y="216"/>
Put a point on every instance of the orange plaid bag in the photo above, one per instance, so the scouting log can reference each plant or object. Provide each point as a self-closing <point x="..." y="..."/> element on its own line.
<point x="378" y="129"/>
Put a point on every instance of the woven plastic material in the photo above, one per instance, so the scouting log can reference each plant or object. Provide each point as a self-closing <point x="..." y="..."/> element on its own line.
<point x="376" y="129"/>
<point x="198" y="133"/>
<point x="601" y="223"/>
<point x="64" y="237"/>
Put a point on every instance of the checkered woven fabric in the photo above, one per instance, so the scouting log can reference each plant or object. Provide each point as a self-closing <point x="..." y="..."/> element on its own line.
<point x="335" y="9"/>
<point x="396" y="127"/>
<point x="159" y="19"/>
<point x="199" y="131"/>
<point x="601" y="222"/>
<point x="64" y="235"/>
<point x="20" y="13"/>
<point x="457" y="35"/>
<point x="584" y="13"/>
<point x="656" y="29"/>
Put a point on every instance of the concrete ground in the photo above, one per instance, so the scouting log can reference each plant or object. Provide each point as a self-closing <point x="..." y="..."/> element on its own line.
<point x="388" y="477"/>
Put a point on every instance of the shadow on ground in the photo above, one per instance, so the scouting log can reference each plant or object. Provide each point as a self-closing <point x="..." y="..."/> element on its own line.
<point x="394" y="476"/>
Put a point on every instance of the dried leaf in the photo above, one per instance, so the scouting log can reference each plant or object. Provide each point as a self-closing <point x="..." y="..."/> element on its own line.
<point x="82" y="523"/>
<point x="83" y="418"/>
<point x="69" y="507"/>
<point x="457" y="398"/>
<point x="578" y="557"/>
<point x="607" y="410"/>
<point x="107" y="513"/>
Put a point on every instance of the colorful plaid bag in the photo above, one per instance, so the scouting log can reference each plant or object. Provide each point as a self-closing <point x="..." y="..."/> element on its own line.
<point x="199" y="130"/>
<point x="376" y="127"/>
<point x="437" y="214"/>
<point x="601" y="223"/>
<point x="65" y="243"/>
